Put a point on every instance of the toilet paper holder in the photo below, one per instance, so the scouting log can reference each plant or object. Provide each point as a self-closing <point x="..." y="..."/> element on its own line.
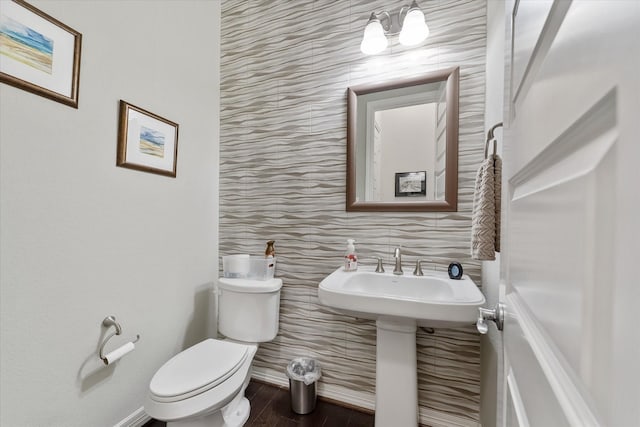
<point x="108" y="322"/>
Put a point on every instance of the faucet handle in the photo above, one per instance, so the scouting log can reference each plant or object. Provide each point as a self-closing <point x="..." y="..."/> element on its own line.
<point x="418" y="269"/>
<point x="379" y="267"/>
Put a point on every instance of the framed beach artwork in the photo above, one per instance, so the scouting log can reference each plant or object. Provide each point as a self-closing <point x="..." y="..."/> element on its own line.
<point x="146" y="141"/>
<point x="38" y="53"/>
<point x="411" y="184"/>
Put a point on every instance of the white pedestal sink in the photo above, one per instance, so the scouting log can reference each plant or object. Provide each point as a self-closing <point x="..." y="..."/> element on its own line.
<point x="399" y="304"/>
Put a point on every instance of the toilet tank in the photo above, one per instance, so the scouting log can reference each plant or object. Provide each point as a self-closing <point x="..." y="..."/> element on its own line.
<point x="249" y="310"/>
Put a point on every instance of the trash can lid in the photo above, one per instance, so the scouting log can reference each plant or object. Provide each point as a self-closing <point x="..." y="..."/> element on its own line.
<point x="304" y="369"/>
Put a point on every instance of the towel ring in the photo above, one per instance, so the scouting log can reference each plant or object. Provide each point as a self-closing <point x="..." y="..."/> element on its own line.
<point x="486" y="148"/>
<point x="490" y="137"/>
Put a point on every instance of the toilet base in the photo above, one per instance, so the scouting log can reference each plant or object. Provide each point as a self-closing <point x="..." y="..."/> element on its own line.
<point x="211" y="420"/>
<point x="235" y="414"/>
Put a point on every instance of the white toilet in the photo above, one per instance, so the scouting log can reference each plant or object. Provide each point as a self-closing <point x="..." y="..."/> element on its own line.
<point x="204" y="385"/>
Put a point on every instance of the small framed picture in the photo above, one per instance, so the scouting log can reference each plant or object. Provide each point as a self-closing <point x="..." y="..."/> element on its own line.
<point x="411" y="184"/>
<point x="146" y="141"/>
<point x="38" y="53"/>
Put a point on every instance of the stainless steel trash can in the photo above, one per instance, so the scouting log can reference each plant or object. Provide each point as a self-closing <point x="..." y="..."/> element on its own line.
<point x="303" y="373"/>
<point x="303" y="396"/>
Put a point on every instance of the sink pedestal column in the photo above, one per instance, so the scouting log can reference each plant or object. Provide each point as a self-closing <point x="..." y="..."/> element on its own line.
<point x="396" y="373"/>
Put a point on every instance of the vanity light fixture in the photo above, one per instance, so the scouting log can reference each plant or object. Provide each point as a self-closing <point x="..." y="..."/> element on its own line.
<point x="408" y="22"/>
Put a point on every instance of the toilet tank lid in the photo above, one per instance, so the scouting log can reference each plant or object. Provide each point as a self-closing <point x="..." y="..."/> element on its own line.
<point x="249" y="285"/>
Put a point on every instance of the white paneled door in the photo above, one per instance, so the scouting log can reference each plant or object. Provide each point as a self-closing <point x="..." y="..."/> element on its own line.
<point x="572" y="214"/>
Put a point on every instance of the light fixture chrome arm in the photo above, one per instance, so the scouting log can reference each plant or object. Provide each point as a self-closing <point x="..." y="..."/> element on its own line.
<point x="385" y="20"/>
<point x="392" y="22"/>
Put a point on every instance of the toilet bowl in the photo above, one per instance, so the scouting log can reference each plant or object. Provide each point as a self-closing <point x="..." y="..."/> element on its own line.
<point x="204" y="385"/>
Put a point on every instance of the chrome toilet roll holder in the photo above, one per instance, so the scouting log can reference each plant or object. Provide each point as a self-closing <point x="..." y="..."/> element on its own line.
<point x="108" y="322"/>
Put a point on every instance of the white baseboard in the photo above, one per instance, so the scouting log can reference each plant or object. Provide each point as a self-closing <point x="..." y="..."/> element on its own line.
<point x="136" y="419"/>
<point x="441" y="419"/>
<point x="364" y="400"/>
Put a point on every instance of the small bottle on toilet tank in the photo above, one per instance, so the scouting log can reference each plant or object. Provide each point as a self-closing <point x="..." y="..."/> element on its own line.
<point x="270" y="252"/>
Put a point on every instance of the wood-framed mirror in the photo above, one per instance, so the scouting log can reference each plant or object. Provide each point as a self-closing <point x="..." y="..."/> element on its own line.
<point x="402" y="144"/>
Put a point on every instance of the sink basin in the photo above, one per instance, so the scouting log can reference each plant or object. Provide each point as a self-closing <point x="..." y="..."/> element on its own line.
<point x="431" y="300"/>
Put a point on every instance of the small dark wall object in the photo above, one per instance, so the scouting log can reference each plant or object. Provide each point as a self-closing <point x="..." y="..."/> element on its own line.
<point x="411" y="184"/>
<point x="455" y="271"/>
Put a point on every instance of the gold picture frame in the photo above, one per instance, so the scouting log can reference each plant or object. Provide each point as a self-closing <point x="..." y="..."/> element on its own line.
<point x="38" y="53"/>
<point x="146" y="141"/>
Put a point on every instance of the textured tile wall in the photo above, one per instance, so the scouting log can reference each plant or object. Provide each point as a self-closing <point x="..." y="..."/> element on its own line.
<point x="285" y="68"/>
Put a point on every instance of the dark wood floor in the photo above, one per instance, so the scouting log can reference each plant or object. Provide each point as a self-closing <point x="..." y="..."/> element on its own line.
<point x="271" y="407"/>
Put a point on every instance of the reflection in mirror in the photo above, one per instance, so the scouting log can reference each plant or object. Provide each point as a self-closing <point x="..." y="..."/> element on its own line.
<point x="402" y="140"/>
<point x="406" y="129"/>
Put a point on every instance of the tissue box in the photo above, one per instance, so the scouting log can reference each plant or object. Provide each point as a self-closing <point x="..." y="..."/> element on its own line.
<point x="248" y="267"/>
<point x="236" y="265"/>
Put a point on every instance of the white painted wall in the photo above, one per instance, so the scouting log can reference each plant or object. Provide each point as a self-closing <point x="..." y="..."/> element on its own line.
<point x="82" y="238"/>
<point x="491" y="344"/>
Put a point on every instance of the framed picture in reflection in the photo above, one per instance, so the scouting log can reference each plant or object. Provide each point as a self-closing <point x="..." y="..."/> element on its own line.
<point x="411" y="184"/>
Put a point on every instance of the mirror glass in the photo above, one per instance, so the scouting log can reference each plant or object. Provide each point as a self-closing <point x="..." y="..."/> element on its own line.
<point x="402" y="144"/>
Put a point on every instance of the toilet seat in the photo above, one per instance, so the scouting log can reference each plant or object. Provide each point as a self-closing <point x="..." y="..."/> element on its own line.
<point x="197" y="369"/>
<point x="206" y="402"/>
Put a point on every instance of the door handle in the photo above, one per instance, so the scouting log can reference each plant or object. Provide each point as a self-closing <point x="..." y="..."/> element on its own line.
<point x="497" y="315"/>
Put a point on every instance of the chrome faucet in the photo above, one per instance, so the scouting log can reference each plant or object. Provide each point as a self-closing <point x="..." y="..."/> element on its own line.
<point x="398" y="256"/>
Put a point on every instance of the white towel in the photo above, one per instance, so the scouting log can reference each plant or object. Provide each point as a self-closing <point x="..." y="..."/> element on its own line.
<point x="485" y="222"/>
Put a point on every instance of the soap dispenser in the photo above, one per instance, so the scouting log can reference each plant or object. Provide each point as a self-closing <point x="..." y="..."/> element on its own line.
<point x="350" y="257"/>
<point x="270" y="251"/>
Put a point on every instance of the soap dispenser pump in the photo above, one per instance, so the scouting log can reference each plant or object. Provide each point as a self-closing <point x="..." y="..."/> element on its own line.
<point x="350" y="257"/>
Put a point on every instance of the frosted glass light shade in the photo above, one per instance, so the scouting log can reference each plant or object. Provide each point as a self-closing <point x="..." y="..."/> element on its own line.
<point x="373" y="41"/>
<point x="414" y="28"/>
